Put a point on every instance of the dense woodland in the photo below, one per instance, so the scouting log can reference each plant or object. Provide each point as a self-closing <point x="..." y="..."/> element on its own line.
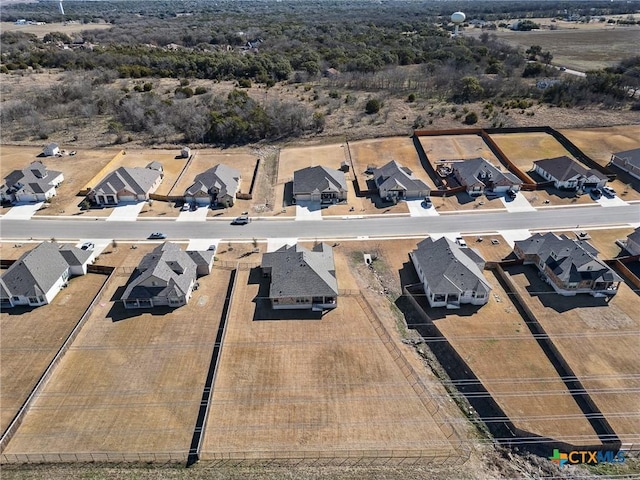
<point x="267" y="43"/>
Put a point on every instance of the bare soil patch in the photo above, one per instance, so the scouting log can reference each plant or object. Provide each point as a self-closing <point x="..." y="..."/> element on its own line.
<point x="524" y="148"/>
<point x="132" y="380"/>
<point x="598" y="340"/>
<point x="32" y="336"/>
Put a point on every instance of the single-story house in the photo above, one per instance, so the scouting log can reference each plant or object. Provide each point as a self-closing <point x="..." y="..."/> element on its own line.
<point x="395" y="182"/>
<point x="33" y="184"/>
<point x="319" y="184"/>
<point x="479" y="176"/>
<point x="568" y="174"/>
<point x="301" y="278"/>
<point x="569" y="266"/>
<point x="451" y="275"/>
<point x="126" y="184"/>
<point x="51" y="150"/>
<point x="166" y="277"/>
<point x="38" y="275"/>
<point x="629" y="161"/>
<point x="216" y="186"/>
<point x="632" y="244"/>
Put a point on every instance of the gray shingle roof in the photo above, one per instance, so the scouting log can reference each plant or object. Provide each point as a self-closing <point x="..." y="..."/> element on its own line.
<point x="635" y="236"/>
<point x="448" y="268"/>
<point x="172" y="267"/>
<point x="37" y="270"/>
<point x="394" y="176"/>
<point x="136" y="180"/>
<point x="480" y="170"/>
<point x="33" y="179"/>
<point x="299" y="272"/>
<point x="220" y="178"/>
<point x="564" y="168"/>
<point x="322" y="179"/>
<point x="632" y="156"/>
<point x="570" y="260"/>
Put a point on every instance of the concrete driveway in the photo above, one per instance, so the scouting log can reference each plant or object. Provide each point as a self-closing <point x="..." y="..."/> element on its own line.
<point x="23" y="211"/>
<point x="198" y="215"/>
<point x="308" y="211"/>
<point x="274" y="244"/>
<point x="127" y="212"/>
<point x="417" y="209"/>
<point x="202" y="243"/>
<point x="610" y="202"/>
<point x="518" y="204"/>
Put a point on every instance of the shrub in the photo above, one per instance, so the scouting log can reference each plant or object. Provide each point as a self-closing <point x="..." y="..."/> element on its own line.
<point x="244" y="83"/>
<point x="372" y="106"/>
<point x="411" y="98"/>
<point x="200" y="90"/>
<point x="471" y="118"/>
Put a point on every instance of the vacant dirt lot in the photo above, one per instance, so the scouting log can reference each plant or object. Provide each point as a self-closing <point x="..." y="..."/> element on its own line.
<point x="599" y="341"/>
<point x="454" y="147"/>
<point x="131" y="382"/>
<point x="497" y="345"/>
<point x="310" y="384"/>
<point x="32" y="336"/>
<point x="600" y="143"/>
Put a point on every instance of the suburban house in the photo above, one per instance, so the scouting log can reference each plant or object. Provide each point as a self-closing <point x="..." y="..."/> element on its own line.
<point x="126" y="184"/>
<point x="395" y="182"/>
<point x="481" y="177"/>
<point x="567" y="174"/>
<point x="157" y="166"/>
<point x="629" y="161"/>
<point x="451" y="274"/>
<point x="569" y="266"/>
<point x="216" y="186"/>
<point x="33" y="184"/>
<point x="301" y="278"/>
<point x="319" y="184"/>
<point x="632" y="244"/>
<point x="166" y="277"/>
<point x="38" y="275"/>
<point x="51" y="150"/>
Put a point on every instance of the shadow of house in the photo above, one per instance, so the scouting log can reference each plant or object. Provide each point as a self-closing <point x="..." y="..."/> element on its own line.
<point x="538" y="288"/>
<point x="287" y="198"/>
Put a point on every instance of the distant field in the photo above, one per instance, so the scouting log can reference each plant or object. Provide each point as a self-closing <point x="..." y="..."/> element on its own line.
<point x="42" y="30"/>
<point x="580" y="49"/>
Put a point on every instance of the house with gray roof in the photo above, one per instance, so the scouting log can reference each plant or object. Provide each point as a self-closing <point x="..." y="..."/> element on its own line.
<point x="451" y="275"/>
<point x="216" y="186"/>
<point x="479" y="176"/>
<point x="632" y="244"/>
<point x="568" y="174"/>
<point x="32" y="184"/>
<point x="126" y="184"/>
<point x="39" y="274"/>
<point x="569" y="266"/>
<point x="628" y="160"/>
<point x="395" y="182"/>
<point x="319" y="184"/>
<point x="301" y="278"/>
<point x="166" y="277"/>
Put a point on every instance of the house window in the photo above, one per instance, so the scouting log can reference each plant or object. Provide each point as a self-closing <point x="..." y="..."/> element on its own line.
<point x="275" y="300"/>
<point x="33" y="300"/>
<point x="479" y="295"/>
<point x="16" y="299"/>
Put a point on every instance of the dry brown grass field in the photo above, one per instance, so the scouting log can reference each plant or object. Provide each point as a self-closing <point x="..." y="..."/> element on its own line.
<point x="600" y="143"/>
<point x="132" y="380"/>
<point x="455" y="147"/>
<point x="514" y="370"/>
<point x="524" y="148"/>
<point x="599" y="341"/>
<point x="41" y="30"/>
<point x="32" y="336"/>
<point x="311" y="384"/>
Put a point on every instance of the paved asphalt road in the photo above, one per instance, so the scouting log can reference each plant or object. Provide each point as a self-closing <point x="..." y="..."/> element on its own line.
<point x="561" y="218"/>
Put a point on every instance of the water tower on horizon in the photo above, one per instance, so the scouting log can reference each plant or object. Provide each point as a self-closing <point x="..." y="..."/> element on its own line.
<point x="457" y="18"/>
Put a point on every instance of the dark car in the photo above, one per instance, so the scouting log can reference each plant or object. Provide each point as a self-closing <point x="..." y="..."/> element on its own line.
<point x="157" y="235"/>
<point x="596" y="192"/>
<point x="511" y="194"/>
